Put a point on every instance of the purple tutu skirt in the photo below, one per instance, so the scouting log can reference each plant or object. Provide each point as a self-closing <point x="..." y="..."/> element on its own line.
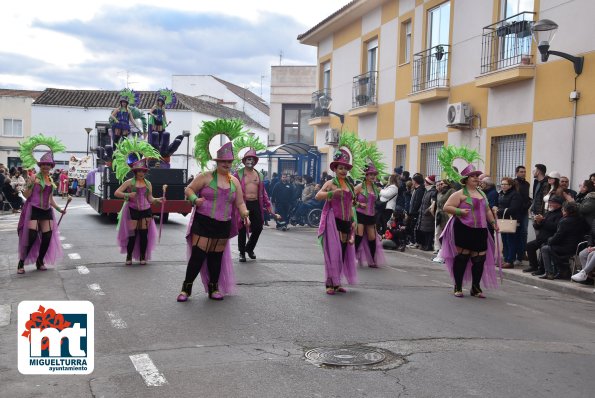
<point x="227" y="281"/>
<point x="54" y="253"/>
<point x="125" y="232"/>
<point x="448" y="252"/>
<point x="335" y="268"/>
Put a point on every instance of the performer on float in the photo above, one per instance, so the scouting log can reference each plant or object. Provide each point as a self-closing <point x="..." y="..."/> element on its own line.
<point x="467" y="247"/>
<point x="216" y="196"/>
<point x="366" y="194"/>
<point x="39" y="237"/>
<point x="166" y="99"/>
<point x="256" y="199"/>
<point x="137" y="233"/>
<point x="122" y="118"/>
<point x="337" y="222"/>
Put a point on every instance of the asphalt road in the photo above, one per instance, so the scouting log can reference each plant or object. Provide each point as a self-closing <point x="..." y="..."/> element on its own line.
<point x="521" y="341"/>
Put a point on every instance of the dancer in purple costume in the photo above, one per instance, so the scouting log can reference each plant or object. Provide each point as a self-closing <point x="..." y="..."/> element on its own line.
<point x="337" y="226"/>
<point x="39" y="237"/>
<point x="467" y="247"/>
<point x="366" y="193"/>
<point x="121" y="118"/>
<point x="137" y="233"/>
<point x="216" y="196"/>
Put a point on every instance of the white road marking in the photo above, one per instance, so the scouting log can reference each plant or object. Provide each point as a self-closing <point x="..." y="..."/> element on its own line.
<point x="148" y="371"/>
<point x="74" y="256"/>
<point x="441" y="283"/>
<point x="5" y="314"/>
<point x="115" y="319"/>
<point x="82" y="269"/>
<point x="96" y="289"/>
<point x="524" y="308"/>
<point x="66" y="246"/>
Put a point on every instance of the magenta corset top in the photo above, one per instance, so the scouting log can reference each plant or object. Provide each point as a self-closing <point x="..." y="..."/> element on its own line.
<point x="218" y="203"/>
<point x="477" y="216"/>
<point x="369" y="201"/>
<point x="342" y="206"/>
<point x="141" y="202"/>
<point x="41" y="198"/>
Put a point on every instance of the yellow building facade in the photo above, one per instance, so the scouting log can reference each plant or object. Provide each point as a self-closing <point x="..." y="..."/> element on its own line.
<point x="414" y="75"/>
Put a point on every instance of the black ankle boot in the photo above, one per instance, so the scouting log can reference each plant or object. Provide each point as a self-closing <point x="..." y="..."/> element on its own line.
<point x="242" y="258"/>
<point x="21" y="267"/>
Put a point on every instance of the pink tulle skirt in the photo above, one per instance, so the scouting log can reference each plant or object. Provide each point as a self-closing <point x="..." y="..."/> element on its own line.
<point x="125" y="231"/>
<point x="364" y="256"/>
<point x="54" y="253"/>
<point x="335" y="268"/>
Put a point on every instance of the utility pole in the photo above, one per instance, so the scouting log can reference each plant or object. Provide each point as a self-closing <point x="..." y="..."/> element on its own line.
<point x="280" y="57"/>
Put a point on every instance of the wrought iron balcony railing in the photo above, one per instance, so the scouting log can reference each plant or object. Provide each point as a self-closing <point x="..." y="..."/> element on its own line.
<point x="364" y="89"/>
<point x="430" y="68"/>
<point x="320" y="102"/>
<point x="507" y="43"/>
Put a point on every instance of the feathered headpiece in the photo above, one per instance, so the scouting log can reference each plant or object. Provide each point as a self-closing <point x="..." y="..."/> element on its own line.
<point x="130" y="151"/>
<point x="350" y="144"/>
<point x="232" y="128"/>
<point x="372" y="160"/>
<point x="28" y="146"/>
<point x="167" y="96"/>
<point x="130" y="96"/>
<point x="447" y="156"/>
<point x="243" y="142"/>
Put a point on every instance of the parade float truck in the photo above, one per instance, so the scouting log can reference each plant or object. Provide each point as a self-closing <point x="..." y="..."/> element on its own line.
<point x="102" y="198"/>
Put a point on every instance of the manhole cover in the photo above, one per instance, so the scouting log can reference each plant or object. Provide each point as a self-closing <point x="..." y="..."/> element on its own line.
<point x="352" y="356"/>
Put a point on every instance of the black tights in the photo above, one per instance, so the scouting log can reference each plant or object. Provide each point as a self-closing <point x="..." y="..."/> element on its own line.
<point x="46" y="238"/>
<point x="144" y="239"/>
<point x="197" y="258"/>
<point x="372" y="246"/>
<point x="460" y="265"/>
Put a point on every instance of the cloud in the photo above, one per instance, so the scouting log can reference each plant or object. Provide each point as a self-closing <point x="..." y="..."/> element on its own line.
<point x="153" y="43"/>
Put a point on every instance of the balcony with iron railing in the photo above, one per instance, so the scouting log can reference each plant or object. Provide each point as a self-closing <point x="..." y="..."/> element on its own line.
<point x="430" y="74"/>
<point x="506" y="51"/>
<point x="320" y="103"/>
<point x="364" y="94"/>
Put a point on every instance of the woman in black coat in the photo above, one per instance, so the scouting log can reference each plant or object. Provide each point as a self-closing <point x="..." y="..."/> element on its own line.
<point x="12" y="196"/>
<point x="510" y="206"/>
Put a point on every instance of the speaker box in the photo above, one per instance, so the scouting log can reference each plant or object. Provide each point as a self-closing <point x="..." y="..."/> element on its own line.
<point x="174" y="192"/>
<point x="156" y="176"/>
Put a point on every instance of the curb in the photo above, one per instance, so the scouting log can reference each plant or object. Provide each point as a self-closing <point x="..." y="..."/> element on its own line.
<point x="517" y="275"/>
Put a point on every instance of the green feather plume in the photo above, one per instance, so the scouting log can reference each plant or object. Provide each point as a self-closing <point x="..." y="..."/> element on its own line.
<point x="243" y="142"/>
<point x="449" y="153"/>
<point x="356" y="146"/>
<point x="28" y="146"/>
<point x="371" y="154"/>
<point x="142" y="149"/>
<point x="232" y="128"/>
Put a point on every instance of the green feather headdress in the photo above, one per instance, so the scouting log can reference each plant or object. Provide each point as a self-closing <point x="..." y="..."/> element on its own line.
<point x="28" y="146"/>
<point x="243" y="142"/>
<point x="169" y="97"/>
<point x="370" y="154"/>
<point x="232" y="128"/>
<point x="447" y="156"/>
<point x="132" y="96"/>
<point x="355" y="146"/>
<point x="127" y="146"/>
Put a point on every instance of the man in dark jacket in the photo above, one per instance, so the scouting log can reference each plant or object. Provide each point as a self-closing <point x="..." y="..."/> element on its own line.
<point x="540" y="189"/>
<point x="545" y="227"/>
<point x="425" y="221"/>
<point x="282" y="198"/>
<point x="563" y="244"/>
<point x="414" y="207"/>
<point x="523" y="187"/>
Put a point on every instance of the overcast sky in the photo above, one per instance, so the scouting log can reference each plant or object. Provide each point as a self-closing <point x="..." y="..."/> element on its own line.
<point x="100" y="44"/>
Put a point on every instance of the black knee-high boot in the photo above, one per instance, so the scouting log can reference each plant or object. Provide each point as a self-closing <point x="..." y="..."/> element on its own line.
<point x="130" y="247"/>
<point x="372" y="246"/>
<point x="343" y="249"/>
<point x="194" y="264"/>
<point x="144" y="237"/>
<point x="30" y="242"/>
<point x="358" y="240"/>
<point x="476" y="273"/>
<point x="46" y="237"/>
<point x="458" y="270"/>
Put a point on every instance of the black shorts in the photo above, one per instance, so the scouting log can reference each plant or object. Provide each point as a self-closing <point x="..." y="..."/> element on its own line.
<point x="343" y="226"/>
<point x="210" y="228"/>
<point x="40" y="214"/>
<point x="140" y="214"/>
<point x="365" y="219"/>
<point x="474" y="239"/>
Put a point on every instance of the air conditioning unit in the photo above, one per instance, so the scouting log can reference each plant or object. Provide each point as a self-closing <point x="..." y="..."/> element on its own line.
<point x="459" y="114"/>
<point x="331" y="136"/>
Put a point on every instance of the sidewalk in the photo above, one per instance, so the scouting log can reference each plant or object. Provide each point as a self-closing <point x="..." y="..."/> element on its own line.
<point x="516" y="274"/>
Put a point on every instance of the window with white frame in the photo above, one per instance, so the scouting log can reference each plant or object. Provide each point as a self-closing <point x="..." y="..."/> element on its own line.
<point x="326" y="75"/>
<point x="429" y="158"/>
<point x="372" y="55"/>
<point x="508" y="152"/>
<point x="12" y="128"/>
<point x="401" y="156"/>
<point x="405" y="43"/>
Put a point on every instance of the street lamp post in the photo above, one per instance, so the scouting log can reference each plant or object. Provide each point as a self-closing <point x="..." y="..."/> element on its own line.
<point x="88" y="130"/>
<point x="543" y="32"/>
<point x="186" y="133"/>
